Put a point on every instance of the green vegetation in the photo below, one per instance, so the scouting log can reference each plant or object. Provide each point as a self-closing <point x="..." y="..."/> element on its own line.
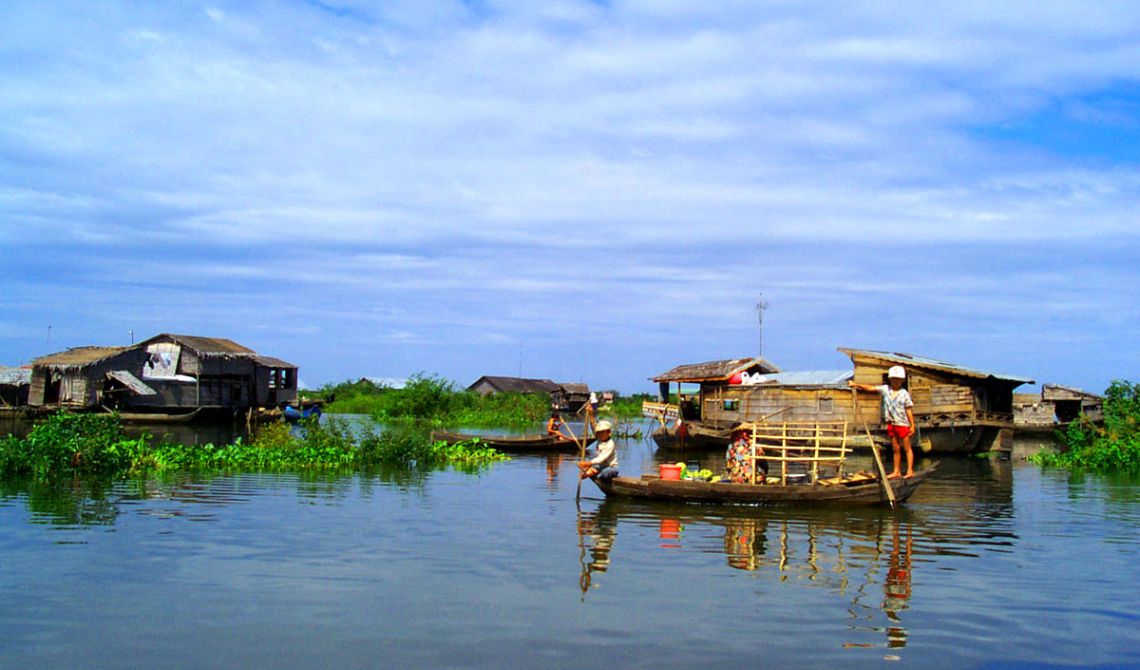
<point x="436" y="401"/>
<point x="625" y="407"/>
<point x="84" y="444"/>
<point x="1114" y="447"/>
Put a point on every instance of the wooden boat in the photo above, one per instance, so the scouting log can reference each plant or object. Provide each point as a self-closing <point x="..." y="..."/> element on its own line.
<point x="806" y="461"/>
<point x="860" y="488"/>
<point x="538" y="442"/>
<point x="159" y="417"/>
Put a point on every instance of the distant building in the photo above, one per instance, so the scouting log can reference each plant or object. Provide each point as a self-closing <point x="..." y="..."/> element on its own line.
<point x="14" y="384"/>
<point x="162" y="374"/>
<point x="1055" y="407"/>
<point x="566" y="396"/>
<point x="486" y="385"/>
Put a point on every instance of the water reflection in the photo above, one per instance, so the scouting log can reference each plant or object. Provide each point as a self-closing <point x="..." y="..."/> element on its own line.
<point x="866" y="556"/>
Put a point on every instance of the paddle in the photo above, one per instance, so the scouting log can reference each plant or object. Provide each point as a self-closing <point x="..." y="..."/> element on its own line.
<point x="581" y="453"/>
<point x="874" y="450"/>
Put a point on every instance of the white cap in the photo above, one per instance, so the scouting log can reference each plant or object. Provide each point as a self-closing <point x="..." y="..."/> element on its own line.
<point x="602" y="425"/>
<point x="896" y="372"/>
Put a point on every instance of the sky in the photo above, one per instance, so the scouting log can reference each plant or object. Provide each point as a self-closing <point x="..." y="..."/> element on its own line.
<point x="582" y="191"/>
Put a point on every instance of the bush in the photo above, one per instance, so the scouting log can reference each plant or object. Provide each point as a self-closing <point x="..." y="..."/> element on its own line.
<point x="1113" y="447"/>
<point x="70" y="443"/>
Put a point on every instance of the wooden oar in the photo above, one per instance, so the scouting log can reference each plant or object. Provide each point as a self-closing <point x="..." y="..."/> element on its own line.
<point x="874" y="450"/>
<point x="581" y="454"/>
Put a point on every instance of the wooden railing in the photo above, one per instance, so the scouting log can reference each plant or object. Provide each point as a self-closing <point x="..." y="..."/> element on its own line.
<point x="808" y="446"/>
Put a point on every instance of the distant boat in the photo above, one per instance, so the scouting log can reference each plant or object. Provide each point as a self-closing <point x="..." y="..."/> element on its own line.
<point x="292" y="413"/>
<point x="540" y="442"/>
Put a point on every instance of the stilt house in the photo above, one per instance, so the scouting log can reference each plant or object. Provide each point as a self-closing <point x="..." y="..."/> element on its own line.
<point x="162" y="374"/>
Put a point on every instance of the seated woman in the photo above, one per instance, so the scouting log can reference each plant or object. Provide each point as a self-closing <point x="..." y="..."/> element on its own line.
<point x="738" y="458"/>
<point x="554" y="426"/>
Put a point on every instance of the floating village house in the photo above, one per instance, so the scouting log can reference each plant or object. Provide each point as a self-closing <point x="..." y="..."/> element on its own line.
<point x="1055" y="407"/>
<point x="166" y="373"/>
<point x="14" y="383"/>
<point x="957" y="409"/>
<point x="569" y="396"/>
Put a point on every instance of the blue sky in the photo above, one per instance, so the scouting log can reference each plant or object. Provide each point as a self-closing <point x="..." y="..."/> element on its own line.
<point x="583" y="191"/>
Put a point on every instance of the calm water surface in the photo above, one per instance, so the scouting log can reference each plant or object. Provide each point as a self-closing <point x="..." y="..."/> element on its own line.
<point x="991" y="565"/>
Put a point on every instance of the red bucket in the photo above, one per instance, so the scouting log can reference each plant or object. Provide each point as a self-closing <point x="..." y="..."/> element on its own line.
<point x="670" y="472"/>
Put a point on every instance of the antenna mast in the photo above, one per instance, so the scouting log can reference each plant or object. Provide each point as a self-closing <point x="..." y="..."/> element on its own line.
<point x="761" y="305"/>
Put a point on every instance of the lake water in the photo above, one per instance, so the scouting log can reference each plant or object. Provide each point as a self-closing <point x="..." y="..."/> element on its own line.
<point x="990" y="565"/>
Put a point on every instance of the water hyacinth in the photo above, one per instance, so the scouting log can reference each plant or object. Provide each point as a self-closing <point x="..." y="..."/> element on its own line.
<point x="75" y="444"/>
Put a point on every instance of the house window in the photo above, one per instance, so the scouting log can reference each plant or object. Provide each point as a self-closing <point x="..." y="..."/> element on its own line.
<point x="826" y="405"/>
<point x="732" y="405"/>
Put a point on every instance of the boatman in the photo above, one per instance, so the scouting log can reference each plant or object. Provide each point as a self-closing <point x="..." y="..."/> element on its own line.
<point x="604" y="464"/>
<point x="554" y="427"/>
<point x="898" y="414"/>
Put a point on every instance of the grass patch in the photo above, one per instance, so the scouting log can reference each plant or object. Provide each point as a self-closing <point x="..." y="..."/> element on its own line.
<point x="1113" y="447"/>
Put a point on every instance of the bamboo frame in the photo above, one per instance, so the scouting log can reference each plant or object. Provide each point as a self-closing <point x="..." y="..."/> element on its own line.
<point x="811" y="444"/>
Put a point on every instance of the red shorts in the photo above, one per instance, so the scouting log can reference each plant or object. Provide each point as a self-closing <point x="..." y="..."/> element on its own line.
<point x="898" y="431"/>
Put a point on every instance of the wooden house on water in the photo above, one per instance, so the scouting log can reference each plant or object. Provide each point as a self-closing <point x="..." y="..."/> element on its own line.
<point x="1055" y="407"/>
<point x="14" y="384"/>
<point x="957" y="409"/>
<point x="166" y="374"/>
<point x="566" y="396"/>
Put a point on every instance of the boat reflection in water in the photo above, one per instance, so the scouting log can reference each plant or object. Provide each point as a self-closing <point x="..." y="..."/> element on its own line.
<point x="865" y="556"/>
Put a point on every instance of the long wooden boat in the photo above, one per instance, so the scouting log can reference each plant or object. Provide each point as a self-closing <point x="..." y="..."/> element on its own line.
<point x="160" y="417"/>
<point x="857" y="489"/>
<point x="538" y="442"/>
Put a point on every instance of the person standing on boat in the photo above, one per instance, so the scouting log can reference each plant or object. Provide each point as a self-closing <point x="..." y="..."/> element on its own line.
<point x="899" y="416"/>
<point x="605" y="462"/>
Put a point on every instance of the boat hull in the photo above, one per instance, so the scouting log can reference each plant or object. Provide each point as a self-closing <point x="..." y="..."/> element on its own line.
<point x="865" y="492"/>
<point x="517" y="443"/>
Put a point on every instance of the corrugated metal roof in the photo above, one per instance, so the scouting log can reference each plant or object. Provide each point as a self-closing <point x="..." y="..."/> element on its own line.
<point x="808" y="378"/>
<point x="574" y="387"/>
<point x="714" y="370"/>
<point x="910" y="360"/>
<point x="78" y="357"/>
<point x="15" y="376"/>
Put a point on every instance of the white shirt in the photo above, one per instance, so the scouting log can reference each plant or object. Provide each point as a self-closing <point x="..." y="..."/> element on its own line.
<point x="607" y="454"/>
<point x="895" y="404"/>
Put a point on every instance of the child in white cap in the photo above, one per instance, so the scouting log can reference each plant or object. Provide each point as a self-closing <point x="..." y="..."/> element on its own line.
<point x="898" y="415"/>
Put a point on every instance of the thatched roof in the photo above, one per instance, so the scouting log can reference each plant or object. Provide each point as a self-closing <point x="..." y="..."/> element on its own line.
<point x="910" y="361"/>
<point x="515" y="384"/>
<point x="206" y="346"/>
<point x="78" y="357"/>
<point x="715" y="371"/>
<point x="271" y="362"/>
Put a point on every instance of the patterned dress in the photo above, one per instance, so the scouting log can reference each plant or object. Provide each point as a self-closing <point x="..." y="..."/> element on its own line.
<point x="738" y="460"/>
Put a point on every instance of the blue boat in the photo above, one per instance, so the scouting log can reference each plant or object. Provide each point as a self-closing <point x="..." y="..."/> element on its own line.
<point x="292" y="413"/>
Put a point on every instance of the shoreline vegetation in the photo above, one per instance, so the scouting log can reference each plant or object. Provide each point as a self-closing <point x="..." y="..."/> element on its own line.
<point x="440" y="402"/>
<point x="1111" y="448"/>
<point x="66" y="444"/>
